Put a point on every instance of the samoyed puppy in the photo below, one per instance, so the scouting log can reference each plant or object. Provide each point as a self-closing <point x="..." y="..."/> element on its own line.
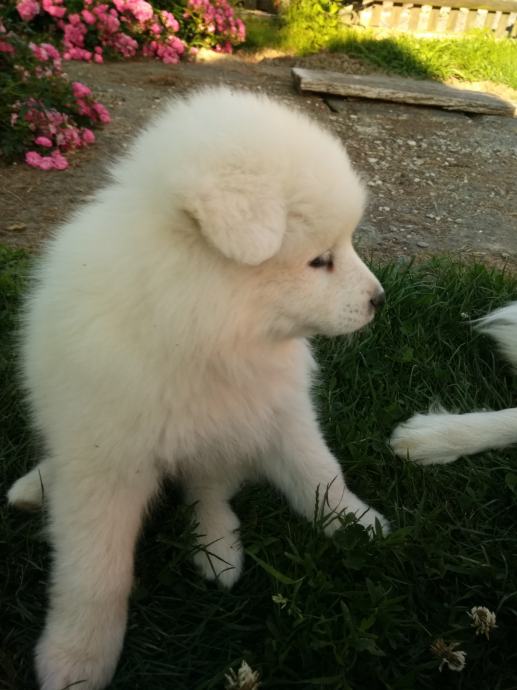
<point x="166" y="333"/>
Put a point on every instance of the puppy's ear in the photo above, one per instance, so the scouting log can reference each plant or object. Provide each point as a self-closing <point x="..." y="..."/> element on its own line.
<point x="241" y="214"/>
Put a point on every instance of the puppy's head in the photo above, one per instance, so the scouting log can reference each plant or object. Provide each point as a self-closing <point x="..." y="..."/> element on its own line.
<point x="274" y="196"/>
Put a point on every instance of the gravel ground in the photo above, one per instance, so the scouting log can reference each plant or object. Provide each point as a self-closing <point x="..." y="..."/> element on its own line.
<point x="439" y="182"/>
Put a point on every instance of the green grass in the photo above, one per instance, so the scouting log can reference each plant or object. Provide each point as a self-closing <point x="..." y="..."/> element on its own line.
<point x="304" y="29"/>
<point x="348" y="612"/>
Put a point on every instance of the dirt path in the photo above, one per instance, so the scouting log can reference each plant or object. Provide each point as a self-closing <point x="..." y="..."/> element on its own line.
<point x="439" y="182"/>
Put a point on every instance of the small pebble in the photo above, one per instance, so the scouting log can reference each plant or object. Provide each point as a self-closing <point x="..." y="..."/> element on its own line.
<point x="16" y="227"/>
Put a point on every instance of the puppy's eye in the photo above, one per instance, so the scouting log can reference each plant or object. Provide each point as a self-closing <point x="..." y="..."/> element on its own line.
<point x="324" y="261"/>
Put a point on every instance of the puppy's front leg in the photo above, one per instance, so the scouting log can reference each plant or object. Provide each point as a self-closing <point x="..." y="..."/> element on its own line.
<point x="303" y="468"/>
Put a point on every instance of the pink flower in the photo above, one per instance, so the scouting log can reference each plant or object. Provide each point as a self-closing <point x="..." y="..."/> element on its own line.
<point x="6" y="47"/>
<point x="88" y="17"/>
<point x="45" y="52"/>
<point x="59" y="162"/>
<point x="77" y="54"/>
<point x="141" y="9"/>
<point x="169" y="21"/>
<point x="46" y="163"/>
<point x="53" y="9"/>
<point x="74" y="38"/>
<point x="33" y="159"/>
<point x="28" y="9"/>
<point x="124" y="44"/>
<point x="43" y="141"/>
<point x="102" y="113"/>
<point x="88" y="136"/>
<point x="80" y="90"/>
<point x="51" y="50"/>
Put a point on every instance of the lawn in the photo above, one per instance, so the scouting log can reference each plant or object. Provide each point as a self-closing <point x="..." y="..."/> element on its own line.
<point x="312" y="612"/>
<point x="306" y="29"/>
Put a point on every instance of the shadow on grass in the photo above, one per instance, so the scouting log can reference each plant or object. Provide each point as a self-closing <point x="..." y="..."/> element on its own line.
<point x="386" y="53"/>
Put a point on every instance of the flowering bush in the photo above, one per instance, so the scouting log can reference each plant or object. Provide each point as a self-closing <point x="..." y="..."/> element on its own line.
<point x="212" y="24"/>
<point x="43" y="115"/>
<point x="92" y="29"/>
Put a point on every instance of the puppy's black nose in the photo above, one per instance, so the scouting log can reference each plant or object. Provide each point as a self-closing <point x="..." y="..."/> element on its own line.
<point x="378" y="300"/>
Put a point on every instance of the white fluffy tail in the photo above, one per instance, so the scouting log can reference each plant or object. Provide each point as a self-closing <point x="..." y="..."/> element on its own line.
<point x="28" y="492"/>
<point x="501" y="325"/>
<point x="440" y="437"/>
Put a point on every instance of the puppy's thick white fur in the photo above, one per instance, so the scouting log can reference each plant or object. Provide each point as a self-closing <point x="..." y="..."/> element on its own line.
<point x="440" y="437"/>
<point x="166" y="334"/>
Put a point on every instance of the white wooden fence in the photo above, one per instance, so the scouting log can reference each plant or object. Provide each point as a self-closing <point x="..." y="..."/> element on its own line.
<point x="438" y="17"/>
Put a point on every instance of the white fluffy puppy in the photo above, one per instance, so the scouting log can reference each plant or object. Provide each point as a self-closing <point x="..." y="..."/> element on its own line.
<point x="440" y="437"/>
<point x="166" y="334"/>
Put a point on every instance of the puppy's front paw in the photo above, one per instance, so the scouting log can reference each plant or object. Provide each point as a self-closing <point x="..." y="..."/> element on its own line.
<point x="424" y="440"/>
<point x="222" y="556"/>
<point x="60" y="667"/>
<point x="78" y="652"/>
<point x="370" y="517"/>
<point x="365" y="515"/>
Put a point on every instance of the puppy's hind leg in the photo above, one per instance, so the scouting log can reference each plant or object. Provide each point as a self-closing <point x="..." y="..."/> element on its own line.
<point x="221" y="556"/>
<point x="94" y="520"/>
<point x="28" y="492"/>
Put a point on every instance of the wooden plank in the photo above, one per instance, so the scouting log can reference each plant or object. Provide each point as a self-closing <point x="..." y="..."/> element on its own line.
<point x="506" y="6"/>
<point x="414" y="17"/>
<point x="513" y="24"/>
<point x="490" y="21"/>
<point x="462" y="20"/>
<point x="365" y="16"/>
<point x="395" y="18"/>
<point x="471" y="20"/>
<point x="434" y="19"/>
<point x="400" y="90"/>
<point x="491" y="5"/>
<point x="423" y="19"/>
<point x="442" y="22"/>
<point x="503" y="25"/>
<point x="385" y="18"/>
<point x="404" y="17"/>
<point x="452" y="20"/>
<point x="376" y="15"/>
<point x="481" y="16"/>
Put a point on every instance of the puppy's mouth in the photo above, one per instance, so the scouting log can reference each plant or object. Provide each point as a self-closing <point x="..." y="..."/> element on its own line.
<point x="344" y="329"/>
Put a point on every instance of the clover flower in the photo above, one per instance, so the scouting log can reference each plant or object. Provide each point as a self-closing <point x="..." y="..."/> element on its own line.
<point x="448" y="655"/>
<point x="244" y="679"/>
<point x="483" y="620"/>
<point x="280" y="600"/>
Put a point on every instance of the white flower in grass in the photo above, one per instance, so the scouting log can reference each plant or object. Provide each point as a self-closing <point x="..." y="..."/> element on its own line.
<point x="447" y="654"/>
<point x="280" y="600"/>
<point x="483" y="620"/>
<point x="244" y="679"/>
